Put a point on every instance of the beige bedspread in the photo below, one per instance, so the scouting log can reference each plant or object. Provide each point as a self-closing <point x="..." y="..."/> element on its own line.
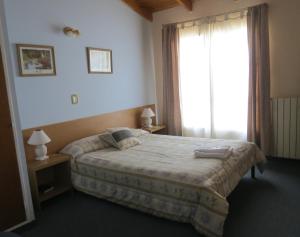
<point x="162" y="177"/>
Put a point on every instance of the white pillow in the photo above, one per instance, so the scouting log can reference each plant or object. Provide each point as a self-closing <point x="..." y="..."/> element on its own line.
<point x="84" y="145"/>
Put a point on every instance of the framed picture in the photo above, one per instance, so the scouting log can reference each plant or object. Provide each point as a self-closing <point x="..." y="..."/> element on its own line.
<point x="99" y="60"/>
<point x="36" y="60"/>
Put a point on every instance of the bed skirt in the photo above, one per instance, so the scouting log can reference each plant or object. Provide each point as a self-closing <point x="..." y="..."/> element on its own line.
<point x="203" y="216"/>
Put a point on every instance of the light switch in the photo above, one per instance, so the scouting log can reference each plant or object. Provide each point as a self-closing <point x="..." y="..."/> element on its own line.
<point x="74" y="99"/>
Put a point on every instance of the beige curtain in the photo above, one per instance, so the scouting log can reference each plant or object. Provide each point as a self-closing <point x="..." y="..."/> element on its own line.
<point x="259" y="115"/>
<point x="171" y="103"/>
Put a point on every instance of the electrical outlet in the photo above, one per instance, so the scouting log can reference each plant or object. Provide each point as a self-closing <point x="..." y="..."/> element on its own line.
<point x="74" y="99"/>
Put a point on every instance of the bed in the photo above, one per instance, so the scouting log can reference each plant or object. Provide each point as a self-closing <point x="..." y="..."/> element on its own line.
<point x="161" y="176"/>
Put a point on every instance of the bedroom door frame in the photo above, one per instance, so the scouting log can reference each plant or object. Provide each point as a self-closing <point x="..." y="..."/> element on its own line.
<point x="17" y="132"/>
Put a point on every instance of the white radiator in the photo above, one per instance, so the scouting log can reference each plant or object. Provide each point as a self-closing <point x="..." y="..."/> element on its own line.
<point x="286" y="127"/>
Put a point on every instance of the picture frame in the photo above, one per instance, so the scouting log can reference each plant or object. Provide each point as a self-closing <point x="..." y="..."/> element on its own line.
<point x="36" y="60"/>
<point x="99" y="60"/>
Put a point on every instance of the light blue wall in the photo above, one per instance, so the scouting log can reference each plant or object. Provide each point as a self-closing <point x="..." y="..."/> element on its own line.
<point x="102" y="23"/>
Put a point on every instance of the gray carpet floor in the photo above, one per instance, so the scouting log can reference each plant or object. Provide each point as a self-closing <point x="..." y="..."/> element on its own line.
<point x="267" y="206"/>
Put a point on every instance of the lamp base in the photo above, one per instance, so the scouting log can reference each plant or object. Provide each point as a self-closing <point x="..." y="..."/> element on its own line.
<point x="42" y="157"/>
<point x="147" y="122"/>
<point x="41" y="152"/>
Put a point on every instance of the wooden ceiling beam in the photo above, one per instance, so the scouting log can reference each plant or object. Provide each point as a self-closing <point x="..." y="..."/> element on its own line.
<point x="187" y="3"/>
<point x="137" y="8"/>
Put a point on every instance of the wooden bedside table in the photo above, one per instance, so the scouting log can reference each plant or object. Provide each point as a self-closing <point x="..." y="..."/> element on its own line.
<point x="49" y="178"/>
<point x="155" y="129"/>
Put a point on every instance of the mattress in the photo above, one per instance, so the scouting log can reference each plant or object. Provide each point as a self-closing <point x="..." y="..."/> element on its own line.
<point x="162" y="177"/>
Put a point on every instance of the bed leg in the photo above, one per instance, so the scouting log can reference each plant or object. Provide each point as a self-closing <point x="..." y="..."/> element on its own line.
<point x="253" y="172"/>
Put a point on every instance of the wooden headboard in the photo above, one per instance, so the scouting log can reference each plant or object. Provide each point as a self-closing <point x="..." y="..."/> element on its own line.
<point x="63" y="133"/>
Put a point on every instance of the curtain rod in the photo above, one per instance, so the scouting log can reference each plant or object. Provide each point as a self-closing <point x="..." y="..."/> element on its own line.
<point x="220" y="14"/>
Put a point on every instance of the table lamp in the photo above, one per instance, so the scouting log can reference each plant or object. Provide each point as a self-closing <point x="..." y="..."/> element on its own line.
<point x="146" y="118"/>
<point x="39" y="138"/>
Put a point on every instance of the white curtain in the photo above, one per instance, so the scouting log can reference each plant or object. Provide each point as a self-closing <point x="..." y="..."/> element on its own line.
<point x="214" y="76"/>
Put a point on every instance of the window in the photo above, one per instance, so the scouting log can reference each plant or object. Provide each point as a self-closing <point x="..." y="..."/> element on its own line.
<point x="214" y="76"/>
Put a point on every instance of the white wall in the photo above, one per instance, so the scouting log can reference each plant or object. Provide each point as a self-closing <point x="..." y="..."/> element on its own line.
<point x="103" y="24"/>
<point x="284" y="39"/>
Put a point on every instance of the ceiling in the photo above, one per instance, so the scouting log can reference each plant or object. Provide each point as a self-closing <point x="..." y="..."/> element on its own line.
<point x="146" y="8"/>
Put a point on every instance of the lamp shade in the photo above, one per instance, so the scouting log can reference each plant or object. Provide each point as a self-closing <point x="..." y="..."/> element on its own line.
<point x="147" y="113"/>
<point x="38" y="137"/>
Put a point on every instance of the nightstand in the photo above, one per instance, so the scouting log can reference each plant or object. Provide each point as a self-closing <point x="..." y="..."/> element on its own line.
<point x="155" y="129"/>
<point x="49" y="178"/>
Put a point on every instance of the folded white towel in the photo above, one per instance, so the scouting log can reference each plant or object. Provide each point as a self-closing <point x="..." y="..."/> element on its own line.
<point x="224" y="155"/>
<point x="222" y="149"/>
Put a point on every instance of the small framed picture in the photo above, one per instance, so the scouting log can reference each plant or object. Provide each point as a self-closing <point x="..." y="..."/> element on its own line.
<point x="99" y="60"/>
<point x="36" y="60"/>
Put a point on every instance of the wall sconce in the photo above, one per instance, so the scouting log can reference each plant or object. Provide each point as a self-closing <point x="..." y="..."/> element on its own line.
<point x="71" y="32"/>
